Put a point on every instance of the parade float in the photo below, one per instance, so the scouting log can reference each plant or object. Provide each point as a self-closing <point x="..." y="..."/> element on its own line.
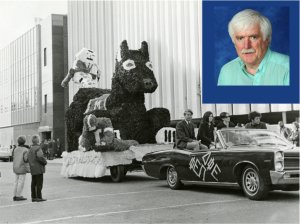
<point x="111" y="129"/>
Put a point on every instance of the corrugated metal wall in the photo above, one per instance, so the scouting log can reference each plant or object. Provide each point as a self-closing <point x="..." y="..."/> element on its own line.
<point x="173" y="32"/>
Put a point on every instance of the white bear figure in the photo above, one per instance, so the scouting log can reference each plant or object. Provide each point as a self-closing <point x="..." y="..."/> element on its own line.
<point x="84" y="71"/>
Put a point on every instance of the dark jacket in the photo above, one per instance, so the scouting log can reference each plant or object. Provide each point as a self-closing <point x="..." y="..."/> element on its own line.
<point x="206" y="133"/>
<point x="221" y="125"/>
<point x="261" y="125"/>
<point x="36" y="160"/>
<point x="184" y="133"/>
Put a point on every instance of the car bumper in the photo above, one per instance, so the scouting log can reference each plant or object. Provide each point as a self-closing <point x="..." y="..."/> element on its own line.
<point x="284" y="177"/>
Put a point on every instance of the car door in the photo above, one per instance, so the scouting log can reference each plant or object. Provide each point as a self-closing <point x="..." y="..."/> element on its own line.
<point x="206" y="165"/>
<point x="213" y="165"/>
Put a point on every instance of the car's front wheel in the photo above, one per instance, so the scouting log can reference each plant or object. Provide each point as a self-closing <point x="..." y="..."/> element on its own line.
<point x="253" y="184"/>
<point x="172" y="178"/>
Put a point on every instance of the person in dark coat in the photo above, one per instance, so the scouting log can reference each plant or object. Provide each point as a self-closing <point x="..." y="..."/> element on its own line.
<point x="225" y="123"/>
<point x="44" y="147"/>
<point x="185" y="133"/>
<point x="37" y="164"/>
<point x="50" y="149"/>
<point x="206" y="130"/>
<point x="58" y="148"/>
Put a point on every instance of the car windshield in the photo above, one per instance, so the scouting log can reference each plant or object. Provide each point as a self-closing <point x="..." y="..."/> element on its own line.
<point x="253" y="137"/>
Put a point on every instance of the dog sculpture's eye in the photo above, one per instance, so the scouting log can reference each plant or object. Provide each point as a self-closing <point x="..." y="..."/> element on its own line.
<point x="149" y="65"/>
<point x="128" y="64"/>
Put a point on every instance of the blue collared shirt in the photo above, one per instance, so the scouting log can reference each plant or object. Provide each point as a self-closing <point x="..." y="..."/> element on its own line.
<point x="274" y="70"/>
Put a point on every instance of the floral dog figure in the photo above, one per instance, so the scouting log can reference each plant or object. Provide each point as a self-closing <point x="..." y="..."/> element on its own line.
<point x="124" y="103"/>
<point x="98" y="134"/>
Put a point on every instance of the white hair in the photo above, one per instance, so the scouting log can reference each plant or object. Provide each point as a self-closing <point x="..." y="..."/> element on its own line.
<point x="247" y="18"/>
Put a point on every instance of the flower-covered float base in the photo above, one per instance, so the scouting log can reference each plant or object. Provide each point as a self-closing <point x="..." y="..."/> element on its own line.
<point x="94" y="164"/>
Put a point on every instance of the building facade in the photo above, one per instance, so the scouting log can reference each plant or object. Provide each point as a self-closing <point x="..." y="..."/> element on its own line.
<point x="31" y="68"/>
<point x="173" y="32"/>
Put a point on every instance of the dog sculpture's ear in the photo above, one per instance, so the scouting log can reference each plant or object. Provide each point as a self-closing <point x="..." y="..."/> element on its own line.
<point x="144" y="49"/>
<point x="124" y="50"/>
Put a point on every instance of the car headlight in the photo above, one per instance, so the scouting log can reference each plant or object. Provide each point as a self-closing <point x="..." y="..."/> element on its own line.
<point x="279" y="166"/>
<point x="279" y="156"/>
<point x="279" y="161"/>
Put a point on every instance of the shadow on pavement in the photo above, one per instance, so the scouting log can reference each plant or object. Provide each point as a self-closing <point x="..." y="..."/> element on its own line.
<point x="107" y="179"/>
<point x="276" y="195"/>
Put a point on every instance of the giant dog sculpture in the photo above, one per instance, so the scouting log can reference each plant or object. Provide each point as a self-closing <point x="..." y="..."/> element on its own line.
<point x="124" y="103"/>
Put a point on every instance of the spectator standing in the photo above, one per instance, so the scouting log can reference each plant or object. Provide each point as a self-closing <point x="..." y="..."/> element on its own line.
<point x="206" y="130"/>
<point x="284" y="131"/>
<point x="225" y="123"/>
<point x="294" y="137"/>
<point x="58" y="148"/>
<point x="37" y="163"/>
<point x="255" y="123"/>
<point x="45" y="148"/>
<point x="50" y="149"/>
<point x="20" y="168"/>
<point x="54" y="145"/>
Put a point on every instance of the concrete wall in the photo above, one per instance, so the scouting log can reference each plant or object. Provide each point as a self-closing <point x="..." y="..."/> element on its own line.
<point x="59" y="67"/>
<point x="54" y="41"/>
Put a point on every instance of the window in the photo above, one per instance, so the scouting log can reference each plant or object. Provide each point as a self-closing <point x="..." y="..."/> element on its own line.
<point x="45" y="107"/>
<point x="45" y="56"/>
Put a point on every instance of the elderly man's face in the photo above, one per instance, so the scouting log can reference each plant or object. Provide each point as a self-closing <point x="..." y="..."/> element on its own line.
<point x="250" y="46"/>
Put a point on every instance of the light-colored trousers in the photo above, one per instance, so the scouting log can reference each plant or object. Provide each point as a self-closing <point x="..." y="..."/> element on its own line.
<point x="19" y="184"/>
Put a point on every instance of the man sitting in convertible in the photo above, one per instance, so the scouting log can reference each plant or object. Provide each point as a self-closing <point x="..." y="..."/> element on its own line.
<point x="185" y="133"/>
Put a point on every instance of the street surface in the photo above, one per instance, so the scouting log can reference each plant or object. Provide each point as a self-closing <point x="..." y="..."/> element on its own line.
<point x="140" y="199"/>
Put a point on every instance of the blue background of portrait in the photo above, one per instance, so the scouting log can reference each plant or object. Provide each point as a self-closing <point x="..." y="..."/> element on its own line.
<point x="218" y="49"/>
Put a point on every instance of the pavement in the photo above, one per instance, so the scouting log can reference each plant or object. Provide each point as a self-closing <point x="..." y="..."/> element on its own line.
<point x="56" y="160"/>
<point x="138" y="199"/>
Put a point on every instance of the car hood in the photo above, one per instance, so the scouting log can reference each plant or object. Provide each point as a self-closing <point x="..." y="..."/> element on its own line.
<point x="263" y="148"/>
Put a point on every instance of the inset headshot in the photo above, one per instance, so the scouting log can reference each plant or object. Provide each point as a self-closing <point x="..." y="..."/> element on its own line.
<point x="256" y="63"/>
<point x="250" y="52"/>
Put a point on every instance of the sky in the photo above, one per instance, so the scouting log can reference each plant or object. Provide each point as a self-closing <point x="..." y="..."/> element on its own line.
<point x="18" y="16"/>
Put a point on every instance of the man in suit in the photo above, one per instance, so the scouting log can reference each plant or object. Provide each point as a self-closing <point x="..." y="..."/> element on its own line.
<point x="185" y="134"/>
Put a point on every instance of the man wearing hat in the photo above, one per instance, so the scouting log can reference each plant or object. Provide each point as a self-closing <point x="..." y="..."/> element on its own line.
<point x="185" y="134"/>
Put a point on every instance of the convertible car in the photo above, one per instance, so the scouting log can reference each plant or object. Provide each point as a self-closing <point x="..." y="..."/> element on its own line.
<point x="258" y="160"/>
